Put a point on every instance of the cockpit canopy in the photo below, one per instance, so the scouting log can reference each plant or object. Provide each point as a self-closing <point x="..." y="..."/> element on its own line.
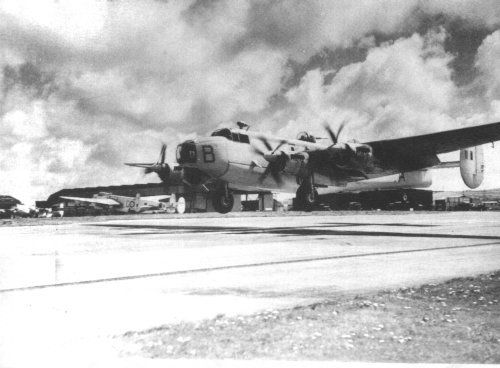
<point x="231" y="135"/>
<point x="224" y="132"/>
<point x="306" y="137"/>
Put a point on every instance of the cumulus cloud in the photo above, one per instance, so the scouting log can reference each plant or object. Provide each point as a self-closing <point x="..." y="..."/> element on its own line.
<point x="402" y="87"/>
<point x="487" y="62"/>
<point x="87" y="86"/>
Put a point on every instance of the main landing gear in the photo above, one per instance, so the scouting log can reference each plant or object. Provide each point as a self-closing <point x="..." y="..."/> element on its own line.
<point x="223" y="200"/>
<point x="306" y="197"/>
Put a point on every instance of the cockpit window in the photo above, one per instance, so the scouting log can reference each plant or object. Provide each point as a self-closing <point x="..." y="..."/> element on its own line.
<point x="244" y="138"/>
<point x="232" y="136"/>
<point x="222" y="133"/>
<point x="236" y="137"/>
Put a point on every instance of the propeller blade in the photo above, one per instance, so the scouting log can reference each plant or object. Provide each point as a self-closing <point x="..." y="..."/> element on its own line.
<point x="274" y="168"/>
<point x="162" y="153"/>
<point x="160" y="167"/>
<point x="258" y="151"/>
<point x="341" y="127"/>
<point x="330" y="133"/>
<point x="278" y="146"/>
<point x="266" y="143"/>
<point x="335" y="137"/>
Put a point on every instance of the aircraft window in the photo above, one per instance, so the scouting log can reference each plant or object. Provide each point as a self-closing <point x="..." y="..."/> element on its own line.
<point x="236" y="137"/>
<point x="471" y="155"/>
<point x="466" y="156"/>
<point x="222" y="133"/>
<point x="244" y="138"/>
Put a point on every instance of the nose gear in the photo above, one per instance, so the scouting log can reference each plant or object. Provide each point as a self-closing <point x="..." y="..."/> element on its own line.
<point x="223" y="199"/>
<point x="307" y="196"/>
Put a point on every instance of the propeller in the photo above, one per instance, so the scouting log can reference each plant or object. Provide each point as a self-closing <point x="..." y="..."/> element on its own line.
<point x="334" y="137"/>
<point x="276" y="163"/>
<point x="160" y="164"/>
<point x="160" y="167"/>
<point x="342" y="155"/>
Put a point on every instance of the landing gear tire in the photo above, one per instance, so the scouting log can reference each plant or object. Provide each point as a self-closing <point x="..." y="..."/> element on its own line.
<point x="223" y="201"/>
<point x="306" y="198"/>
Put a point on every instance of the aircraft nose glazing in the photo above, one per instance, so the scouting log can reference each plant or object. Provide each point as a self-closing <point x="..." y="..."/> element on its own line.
<point x="186" y="153"/>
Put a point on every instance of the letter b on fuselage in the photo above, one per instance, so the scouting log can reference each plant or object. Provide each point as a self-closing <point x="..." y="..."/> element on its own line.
<point x="212" y="157"/>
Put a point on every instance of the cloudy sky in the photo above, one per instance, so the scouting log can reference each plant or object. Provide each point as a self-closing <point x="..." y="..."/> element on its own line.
<point x="88" y="85"/>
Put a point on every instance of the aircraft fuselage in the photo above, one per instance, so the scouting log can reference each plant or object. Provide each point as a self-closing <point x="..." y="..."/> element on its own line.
<point x="238" y="163"/>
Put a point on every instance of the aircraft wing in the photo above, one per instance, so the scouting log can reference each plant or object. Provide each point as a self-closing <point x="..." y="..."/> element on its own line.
<point x="102" y="201"/>
<point x="156" y="198"/>
<point x="145" y="166"/>
<point x="421" y="151"/>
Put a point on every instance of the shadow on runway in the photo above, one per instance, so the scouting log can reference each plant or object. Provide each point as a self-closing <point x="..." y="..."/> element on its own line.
<point x="395" y="224"/>
<point x="314" y="230"/>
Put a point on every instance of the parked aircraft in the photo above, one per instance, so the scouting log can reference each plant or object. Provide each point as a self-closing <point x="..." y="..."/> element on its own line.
<point x="133" y="204"/>
<point x="19" y="210"/>
<point x="238" y="159"/>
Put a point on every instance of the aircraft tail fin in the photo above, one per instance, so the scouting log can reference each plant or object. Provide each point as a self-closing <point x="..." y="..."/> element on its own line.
<point x="472" y="166"/>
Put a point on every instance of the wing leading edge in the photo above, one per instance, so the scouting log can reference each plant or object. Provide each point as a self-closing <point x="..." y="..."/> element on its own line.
<point x="103" y="201"/>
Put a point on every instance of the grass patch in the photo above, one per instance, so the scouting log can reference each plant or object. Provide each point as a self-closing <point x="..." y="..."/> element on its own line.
<point x="454" y="322"/>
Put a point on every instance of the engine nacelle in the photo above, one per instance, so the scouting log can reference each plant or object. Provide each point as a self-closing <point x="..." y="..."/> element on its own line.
<point x="297" y="164"/>
<point x="472" y="166"/>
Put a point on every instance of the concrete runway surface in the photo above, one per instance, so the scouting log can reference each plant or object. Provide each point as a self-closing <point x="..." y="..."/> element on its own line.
<point x="67" y="289"/>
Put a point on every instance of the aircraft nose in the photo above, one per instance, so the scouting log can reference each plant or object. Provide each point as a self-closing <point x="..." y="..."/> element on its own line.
<point x="186" y="153"/>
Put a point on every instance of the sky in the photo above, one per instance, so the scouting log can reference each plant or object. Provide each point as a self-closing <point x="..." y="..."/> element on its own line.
<point x="88" y="85"/>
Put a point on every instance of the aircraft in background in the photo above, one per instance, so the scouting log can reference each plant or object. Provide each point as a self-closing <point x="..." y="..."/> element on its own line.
<point x="19" y="210"/>
<point x="135" y="204"/>
<point x="238" y="159"/>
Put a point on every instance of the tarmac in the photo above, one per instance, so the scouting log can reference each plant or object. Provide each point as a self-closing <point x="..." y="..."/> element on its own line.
<point x="69" y="290"/>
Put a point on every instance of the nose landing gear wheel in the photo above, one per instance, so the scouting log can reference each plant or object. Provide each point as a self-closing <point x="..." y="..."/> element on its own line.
<point x="223" y="202"/>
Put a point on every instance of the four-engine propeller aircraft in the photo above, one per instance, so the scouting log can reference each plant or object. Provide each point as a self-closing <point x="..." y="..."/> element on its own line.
<point x="133" y="204"/>
<point x="238" y="159"/>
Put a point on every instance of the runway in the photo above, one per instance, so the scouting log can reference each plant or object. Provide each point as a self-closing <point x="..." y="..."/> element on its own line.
<point x="65" y="289"/>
